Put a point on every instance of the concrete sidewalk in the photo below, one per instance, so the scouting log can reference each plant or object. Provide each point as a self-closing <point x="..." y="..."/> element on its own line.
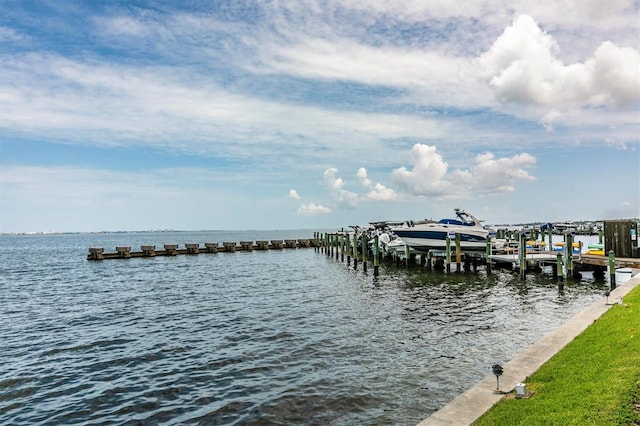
<point x="473" y="403"/>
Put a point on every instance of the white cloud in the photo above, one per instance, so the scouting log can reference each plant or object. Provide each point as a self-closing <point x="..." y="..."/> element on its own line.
<point x="344" y="198"/>
<point x="427" y="177"/>
<point x="312" y="208"/>
<point x="430" y="177"/>
<point x="495" y="176"/>
<point x="377" y="192"/>
<point x="522" y="66"/>
<point x="615" y="144"/>
<point x="293" y="194"/>
<point x="166" y="107"/>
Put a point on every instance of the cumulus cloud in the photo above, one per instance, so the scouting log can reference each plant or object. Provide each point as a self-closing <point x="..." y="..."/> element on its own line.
<point x="312" y="208"/>
<point x="427" y="177"/>
<point x="489" y="176"/>
<point x="523" y="66"/>
<point x="293" y="194"/>
<point x="495" y="176"/>
<point x="377" y="192"/>
<point x="344" y="198"/>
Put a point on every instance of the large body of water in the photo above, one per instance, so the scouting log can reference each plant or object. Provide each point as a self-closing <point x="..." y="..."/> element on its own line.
<point x="283" y="337"/>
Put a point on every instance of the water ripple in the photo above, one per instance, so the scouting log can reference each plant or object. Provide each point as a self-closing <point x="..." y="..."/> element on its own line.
<point x="279" y="337"/>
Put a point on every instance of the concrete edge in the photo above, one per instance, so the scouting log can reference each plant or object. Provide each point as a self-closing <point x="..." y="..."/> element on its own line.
<point x="473" y="403"/>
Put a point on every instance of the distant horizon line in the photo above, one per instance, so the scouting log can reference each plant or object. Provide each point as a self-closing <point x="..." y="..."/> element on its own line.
<point x="167" y="230"/>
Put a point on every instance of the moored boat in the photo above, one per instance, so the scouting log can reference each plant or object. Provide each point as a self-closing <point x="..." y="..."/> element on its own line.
<point x="428" y="235"/>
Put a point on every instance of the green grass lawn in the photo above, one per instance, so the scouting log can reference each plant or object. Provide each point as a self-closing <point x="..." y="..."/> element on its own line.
<point x="594" y="380"/>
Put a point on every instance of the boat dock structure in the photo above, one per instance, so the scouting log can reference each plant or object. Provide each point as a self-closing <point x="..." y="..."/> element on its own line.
<point x="125" y="252"/>
<point x="521" y="251"/>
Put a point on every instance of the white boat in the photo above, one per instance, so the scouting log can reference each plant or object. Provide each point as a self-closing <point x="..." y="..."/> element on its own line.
<point x="398" y="247"/>
<point x="429" y="235"/>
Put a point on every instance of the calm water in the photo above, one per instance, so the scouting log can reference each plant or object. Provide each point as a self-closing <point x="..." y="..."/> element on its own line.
<point x="277" y="337"/>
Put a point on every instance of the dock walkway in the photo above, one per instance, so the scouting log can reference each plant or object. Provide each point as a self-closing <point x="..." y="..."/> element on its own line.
<point x="550" y="257"/>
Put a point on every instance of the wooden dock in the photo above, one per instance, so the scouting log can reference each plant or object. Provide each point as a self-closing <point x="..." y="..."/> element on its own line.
<point x="583" y="260"/>
<point x="124" y="252"/>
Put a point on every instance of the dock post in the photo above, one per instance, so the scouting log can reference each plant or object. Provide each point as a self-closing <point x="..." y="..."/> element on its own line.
<point x="124" y="252"/>
<point x="291" y="243"/>
<point x="192" y="248"/>
<point x="325" y="241"/>
<point x="559" y="267"/>
<point x="95" y="253"/>
<point x="488" y="255"/>
<point x="569" y="250"/>
<point x="407" y="256"/>
<point x="429" y="260"/>
<point x="612" y="270"/>
<point x="376" y="257"/>
<point x="355" y="250"/>
<point x="171" y="249"/>
<point x="211" y="247"/>
<point x="364" y="251"/>
<point x="338" y="246"/>
<point x="347" y="241"/>
<point x="342" y="247"/>
<point x="148" y="251"/>
<point x="450" y="235"/>
<point x="458" y="253"/>
<point x="229" y="246"/>
<point x="522" y="254"/>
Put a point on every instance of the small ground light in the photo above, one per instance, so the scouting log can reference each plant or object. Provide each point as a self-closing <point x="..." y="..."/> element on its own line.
<point x="497" y="370"/>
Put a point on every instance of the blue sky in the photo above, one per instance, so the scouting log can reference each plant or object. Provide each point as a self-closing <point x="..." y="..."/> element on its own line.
<point x="137" y="115"/>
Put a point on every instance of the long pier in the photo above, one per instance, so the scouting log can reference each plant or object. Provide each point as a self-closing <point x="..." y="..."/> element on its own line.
<point x="565" y="264"/>
<point x="125" y="252"/>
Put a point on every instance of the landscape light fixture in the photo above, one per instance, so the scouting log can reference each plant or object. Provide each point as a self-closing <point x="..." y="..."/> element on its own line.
<point x="497" y="370"/>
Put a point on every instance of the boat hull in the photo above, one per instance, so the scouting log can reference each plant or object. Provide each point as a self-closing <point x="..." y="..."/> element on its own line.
<point x="425" y="240"/>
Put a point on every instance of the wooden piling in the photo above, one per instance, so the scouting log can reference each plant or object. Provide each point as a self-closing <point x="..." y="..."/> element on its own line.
<point x="488" y="255"/>
<point x="407" y="255"/>
<point x="376" y="257"/>
<point x="450" y="235"/>
<point x="559" y="267"/>
<point x="569" y="254"/>
<point x="458" y="252"/>
<point x="612" y="270"/>
<point x="522" y="254"/>
<point x="124" y="252"/>
<point x="192" y="248"/>
<point x="171" y="249"/>
<point x="364" y="252"/>
<point x="148" y="251"/>
<point x="355" y="250"/>
<point x="95" y="253"/>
